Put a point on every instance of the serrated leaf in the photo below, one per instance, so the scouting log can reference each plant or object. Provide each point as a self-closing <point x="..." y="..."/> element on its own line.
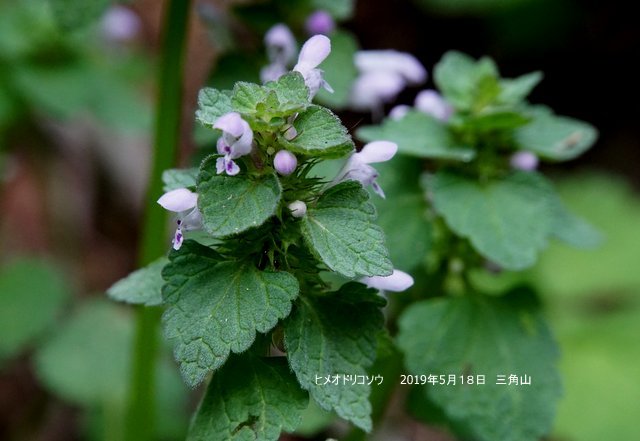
<point x="466" y="83"/>
<point x="246" y="97"/>
<point x="143" y="286"/>
<point x="283" y="97"/>
<point x="514" y="91"/>
<point x="340" y="229"/>
<point x="485" y="336"/>
<point x="32" y="295"/>
<point x="215" y="307"/>
<point x="179" y="178"/>
<point x="339" y="70"/>
<point x="291" y="92"/>
<point x="320" y="134"/>
<point x="250" y="398"/>
<point x="87" y="359"/>
<point x="417" y="134"/>
<point x="212" y="104"/>
<point x="233" y="204"/>
<point x="556" y="138"/>
<point x="336" y="335"/>
<point x="506" y="220"/>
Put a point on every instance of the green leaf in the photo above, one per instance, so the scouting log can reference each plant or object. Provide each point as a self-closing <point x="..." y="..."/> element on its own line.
<point x="216" y="307"/>
<point x="574" y="230"/>
<point x="340" y="9"/>
<point x="336" y="335"/>
<point x="233" y="204"/>
<point x="212" y="104"/>
<point x="339" y="70"/>
<point x="74" y="14"/>
<point x="417" y="134"/>
<point x="514" y="91"/>
<point x="87" y="360"/>
<point x="179" y="178"/>
<point x="283" y="97"/>
<point x="403" y="214"/>
<point x="249" y="399"/>
<point x="485" y="336"/>
<point x="466" y="83"/>
<point x="32" y="295"/>
<point x="507" y="220"/>
<point x="320" y="134"/>
<point x="556" y="138"/>
<point x="499" y="120"/>
<point x="340" y="229"/>
<point x="143" y="286"/>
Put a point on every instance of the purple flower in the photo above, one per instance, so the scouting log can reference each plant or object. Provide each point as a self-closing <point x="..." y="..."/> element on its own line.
<point x="236" y="141"/>
<point x="383" y="75"/>
<point x="524" y="160"/>
<point x="358" y="169"/>
<point x="399" y="111"/>
<point x="281" y="44"/>
<point x="431" y="102"/>
<point x="298" y="208"/>
<point x="184" y="201"/>
<point x="285" y="162"/>
<point x="314" y="52"/>
<point x="396" y="282"/>
<point x="320" y="22"/>
<point x="120" y="24"/>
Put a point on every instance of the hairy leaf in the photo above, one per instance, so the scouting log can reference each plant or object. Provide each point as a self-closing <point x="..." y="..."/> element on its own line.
<point x="212" y="104"/>
<point x="143" y="286"/>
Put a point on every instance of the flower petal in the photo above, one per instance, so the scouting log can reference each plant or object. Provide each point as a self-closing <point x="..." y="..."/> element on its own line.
<point x="281" y="44"/>
<point x="377" y="151"/>
<point x="178" y="200"/>
<point x="390" y="60"/>
<point x="431" y="102"/>
<point x="313" y="52"/>
<point x="231" y="123"/>
<point x="396" y="282"/>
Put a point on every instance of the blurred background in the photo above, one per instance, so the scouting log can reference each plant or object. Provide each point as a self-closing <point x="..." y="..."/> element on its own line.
<point x="76" y="112"/>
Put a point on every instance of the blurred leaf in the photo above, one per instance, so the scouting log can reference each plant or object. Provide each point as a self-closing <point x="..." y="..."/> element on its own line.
<point x="501" y="120"/>
<point x="215" y="308"/>
<point x="417" y="134"/>
<point x="506" y="220"/>
<point x="403" y="213"/>
<point x="143" y="286"/>
<point x="485" y="336"/>
<point x="336" y="335"/>
<point x="250" y="398"/>
<point x="87" y="360"/>
<point x="32" y="295"/>
<point x="74" y="14"/>
<point x="556" y="138"/>
<point x="614" y="209"/>
<point x="514" y="91"/>
<point x="574" y="230"/>
<point x="340" y="9"/>
<point x="466" y="83"/>
<point x="339" y="70"/>
<point x="469" y="7"/>
<point x="314" y="420"/>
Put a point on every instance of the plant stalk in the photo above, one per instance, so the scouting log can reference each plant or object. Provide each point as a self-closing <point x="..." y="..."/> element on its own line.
<point x="140" y="421"/>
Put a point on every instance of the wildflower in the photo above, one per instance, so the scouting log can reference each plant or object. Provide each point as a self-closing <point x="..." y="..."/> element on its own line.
<point x="235" y="141"/>
<point x="285" y="162"/>
<point x="358" y="169"/>
<point x="396" y="282"/>
<point x="383" y="75"/>
<point x="320" y="22"/>
<point x="281" y="49"/>
<point x="298" y="208"/>
<point x="431" y="102"/>
<point x="120" y="24"/>
<point x="313" y="52"/>
<point x="182" y="200"/>
<point x="399" y="111"/>
<point x="524" y="160"/>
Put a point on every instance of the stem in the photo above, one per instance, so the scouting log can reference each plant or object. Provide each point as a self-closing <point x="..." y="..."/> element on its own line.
<point x="140" y="422"/>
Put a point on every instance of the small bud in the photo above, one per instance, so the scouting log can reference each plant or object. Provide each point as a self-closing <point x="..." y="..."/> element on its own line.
<point x="285" y="162"/>
<point x="431" y="102"/>
<point x="121" y="24"/>
<point x="399" y="111"/>
<point x="298" y="208"/>
<point x="320" y="22"/>
<point x="524" y="160"/>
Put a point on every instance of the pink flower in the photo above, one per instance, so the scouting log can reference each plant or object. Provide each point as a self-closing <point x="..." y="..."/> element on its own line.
<point x="320" y="22"/>
<point x="314" y="52"/>
<point x="358" y="169"/>
<point x="236" y="141"/>
<point x="182" y="200"/>
<point x="431" y="102"/>
<point x="398" y="281"/>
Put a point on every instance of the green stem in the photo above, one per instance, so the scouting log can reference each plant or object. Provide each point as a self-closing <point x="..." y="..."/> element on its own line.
<point x="140" y="422"/>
